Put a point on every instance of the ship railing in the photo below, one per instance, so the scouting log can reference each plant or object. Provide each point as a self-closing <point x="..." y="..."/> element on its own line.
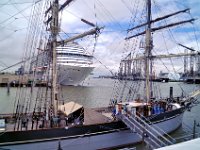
<point x="187" y="137"/>
<point x="192" y="97"/>
<point x="155" y="131"/>
<point x="186" y="128"/>
<point x="143" y="129"/>
<point x="152" y="139"/>
<point x="136" y="127"/>
<point x="195" y="93"/>
<point x="159" y="129"/>
<point x="152" y="132"/>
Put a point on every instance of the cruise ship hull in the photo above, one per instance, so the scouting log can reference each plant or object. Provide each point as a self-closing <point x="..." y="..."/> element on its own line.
<point x="73" y="75"/>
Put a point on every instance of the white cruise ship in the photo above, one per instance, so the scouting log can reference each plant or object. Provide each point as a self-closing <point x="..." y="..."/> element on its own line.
<point x="74" y="64"/>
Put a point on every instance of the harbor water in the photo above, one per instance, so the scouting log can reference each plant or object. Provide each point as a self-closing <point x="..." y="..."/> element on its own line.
<point x="97" y="92"/>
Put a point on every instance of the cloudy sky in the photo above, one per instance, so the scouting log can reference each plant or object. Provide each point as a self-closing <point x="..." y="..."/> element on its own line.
<point x="116" y="16"/>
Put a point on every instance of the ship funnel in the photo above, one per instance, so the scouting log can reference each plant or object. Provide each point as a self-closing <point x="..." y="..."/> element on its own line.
<point x="171" y="92"/>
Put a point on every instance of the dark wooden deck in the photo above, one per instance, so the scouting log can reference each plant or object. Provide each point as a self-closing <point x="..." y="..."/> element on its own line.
<point x="91" y="116"/>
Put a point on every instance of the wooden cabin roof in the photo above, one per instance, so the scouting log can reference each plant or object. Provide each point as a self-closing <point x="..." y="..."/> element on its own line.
<point x="134" y="104"/>
<point x="70" y="107"/>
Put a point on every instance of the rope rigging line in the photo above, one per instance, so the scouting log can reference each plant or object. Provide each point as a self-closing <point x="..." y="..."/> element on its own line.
<point x="129" y="93"/>
<point x="19" y="11"/>
<point x="169" y="71"/>
<point x="68" y="11"/>
<point x="172" y="62"/>
<point x="15" y="3"/>
<point x="172" y="37"/>
<point x="4" y="4"/>
<point x="5" y="26"/>
<point x="133" y="48"/>
<point x="109" y="70"/>
<point x="5" y="13"/>
<point x="24" y="98"/>
<point x="13" y="16"/>
<point x="134" y="14"/>
<point x="80" y="17"/>
<point x="169" y="29"/>
<point x="109" y="14"/>
<point x="8" y="36"/>
<point x="33" y="48"/>
<point x="33" y="81"/>
<point x="40" y="90"/>
<point x="195" y="34"/>
<point x="174" y="69"/>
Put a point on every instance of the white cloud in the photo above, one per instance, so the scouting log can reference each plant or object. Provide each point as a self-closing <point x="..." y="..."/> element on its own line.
<point x="115" y="15"/>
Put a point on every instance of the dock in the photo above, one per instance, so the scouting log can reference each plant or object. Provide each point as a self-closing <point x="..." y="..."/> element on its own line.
<point x="14" y="80"/>
<point x="192" y="144"/>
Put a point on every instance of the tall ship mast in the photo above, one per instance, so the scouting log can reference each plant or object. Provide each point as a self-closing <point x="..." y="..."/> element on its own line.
<point x="54" y="28"/>
<point x="147" y="54"/>
<point x="54" y="31"/>
<point x="162" y="112"/>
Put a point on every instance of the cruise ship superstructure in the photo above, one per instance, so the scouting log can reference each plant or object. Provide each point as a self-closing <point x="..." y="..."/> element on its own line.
<point x="74" y="64"/>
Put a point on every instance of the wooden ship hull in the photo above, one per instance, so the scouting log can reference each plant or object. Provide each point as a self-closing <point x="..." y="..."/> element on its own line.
<point x="108" y="130"/>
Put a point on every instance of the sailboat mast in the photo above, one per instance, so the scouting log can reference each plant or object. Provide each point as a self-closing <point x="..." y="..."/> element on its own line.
<point x="148" y="51"/>
<point x="54" y="31"/>
<point x="148" y="57"/>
